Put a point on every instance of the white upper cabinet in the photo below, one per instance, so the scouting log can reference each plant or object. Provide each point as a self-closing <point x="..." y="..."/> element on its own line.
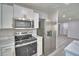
<point x="21" y="12"/>
<point x="7" y="16"/>
<point x="0" y="16"/>
<point x="10" y="12"/>
<point x="36" y="20"/>
<point x="18" y="11"/>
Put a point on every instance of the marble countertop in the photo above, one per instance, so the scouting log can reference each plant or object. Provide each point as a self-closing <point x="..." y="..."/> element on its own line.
<point x="37" y="36"/>
<point x="6" y="41"/>
<point x="73" y="48"/>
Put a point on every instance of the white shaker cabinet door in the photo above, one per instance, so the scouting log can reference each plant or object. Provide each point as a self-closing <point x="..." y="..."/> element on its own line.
<point x="7" y="16"/>
<point x="0" y="16"/>
<point x="29" y="13"/>
<point x="36" y="20"/>
<point x="8" y="51"/>
<point x="19" y="11"/>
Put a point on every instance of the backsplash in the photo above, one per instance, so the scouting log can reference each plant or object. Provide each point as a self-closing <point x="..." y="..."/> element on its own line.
<point x="11" y="32"/>
<point x="6" y="32"/>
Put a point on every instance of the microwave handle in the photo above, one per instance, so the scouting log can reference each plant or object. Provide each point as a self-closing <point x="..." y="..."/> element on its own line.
<point x="32" y="23"/>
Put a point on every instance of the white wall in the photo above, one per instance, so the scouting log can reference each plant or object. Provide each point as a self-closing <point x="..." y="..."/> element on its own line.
<point x="65" y="28"/>
<point x="11" y="32"/>
<point x="73" y="29"/>
<point x="53" y="16"/>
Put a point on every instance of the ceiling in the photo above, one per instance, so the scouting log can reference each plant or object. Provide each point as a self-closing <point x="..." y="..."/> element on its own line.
<point x="45" y="7"/>
<point x="66" y="11"/>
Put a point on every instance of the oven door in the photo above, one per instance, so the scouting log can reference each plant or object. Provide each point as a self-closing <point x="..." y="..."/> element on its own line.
<point x="32" y="49"/>
<point x="27" y="50"/>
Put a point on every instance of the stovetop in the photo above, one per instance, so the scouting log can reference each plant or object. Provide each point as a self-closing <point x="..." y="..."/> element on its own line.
<point x="23" y="37"/>
<point x="25" y="40"/>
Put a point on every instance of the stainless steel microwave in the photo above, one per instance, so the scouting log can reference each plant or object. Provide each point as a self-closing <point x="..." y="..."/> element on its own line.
<point x="23" y="24"/>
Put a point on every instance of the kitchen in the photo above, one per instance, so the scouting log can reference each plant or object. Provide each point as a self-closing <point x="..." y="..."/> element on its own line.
<point x="24" y="31"/>
<point x="41" y="29"/>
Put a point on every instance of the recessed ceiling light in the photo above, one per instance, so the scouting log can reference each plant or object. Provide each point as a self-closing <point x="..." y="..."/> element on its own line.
<point x="64" y="16"/>
<point x="69" y="18"/>
<point x="66" y="3"/>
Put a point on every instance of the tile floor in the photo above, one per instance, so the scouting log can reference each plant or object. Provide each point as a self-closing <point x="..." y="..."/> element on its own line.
<point x="61" y="43"/>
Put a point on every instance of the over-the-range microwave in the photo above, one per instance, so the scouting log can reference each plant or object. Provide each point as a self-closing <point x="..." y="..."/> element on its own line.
<point x="23" y="23"/>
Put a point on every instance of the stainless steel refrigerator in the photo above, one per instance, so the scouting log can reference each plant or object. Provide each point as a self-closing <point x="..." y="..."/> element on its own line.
<point x="46" y="30"/>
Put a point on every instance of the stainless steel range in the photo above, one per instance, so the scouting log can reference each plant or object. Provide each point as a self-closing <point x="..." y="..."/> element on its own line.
<point x="25" y="43"/>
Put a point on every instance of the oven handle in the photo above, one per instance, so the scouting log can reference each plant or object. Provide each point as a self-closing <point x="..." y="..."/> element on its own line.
<point x="19" y="45"/>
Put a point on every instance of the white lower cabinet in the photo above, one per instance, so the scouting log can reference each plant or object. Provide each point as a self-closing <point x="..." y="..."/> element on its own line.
<point x="8" y="51"/>
<point x="39" y="46"/>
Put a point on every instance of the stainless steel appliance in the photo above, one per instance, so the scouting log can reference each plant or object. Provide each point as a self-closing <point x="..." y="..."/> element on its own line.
<point x="49" y="36"/>
<point x="26" y="44"/>
<point x="23" y="23"/>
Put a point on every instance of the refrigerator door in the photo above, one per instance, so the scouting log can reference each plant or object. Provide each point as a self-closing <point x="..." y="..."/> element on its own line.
<point x="49" y="36"/>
